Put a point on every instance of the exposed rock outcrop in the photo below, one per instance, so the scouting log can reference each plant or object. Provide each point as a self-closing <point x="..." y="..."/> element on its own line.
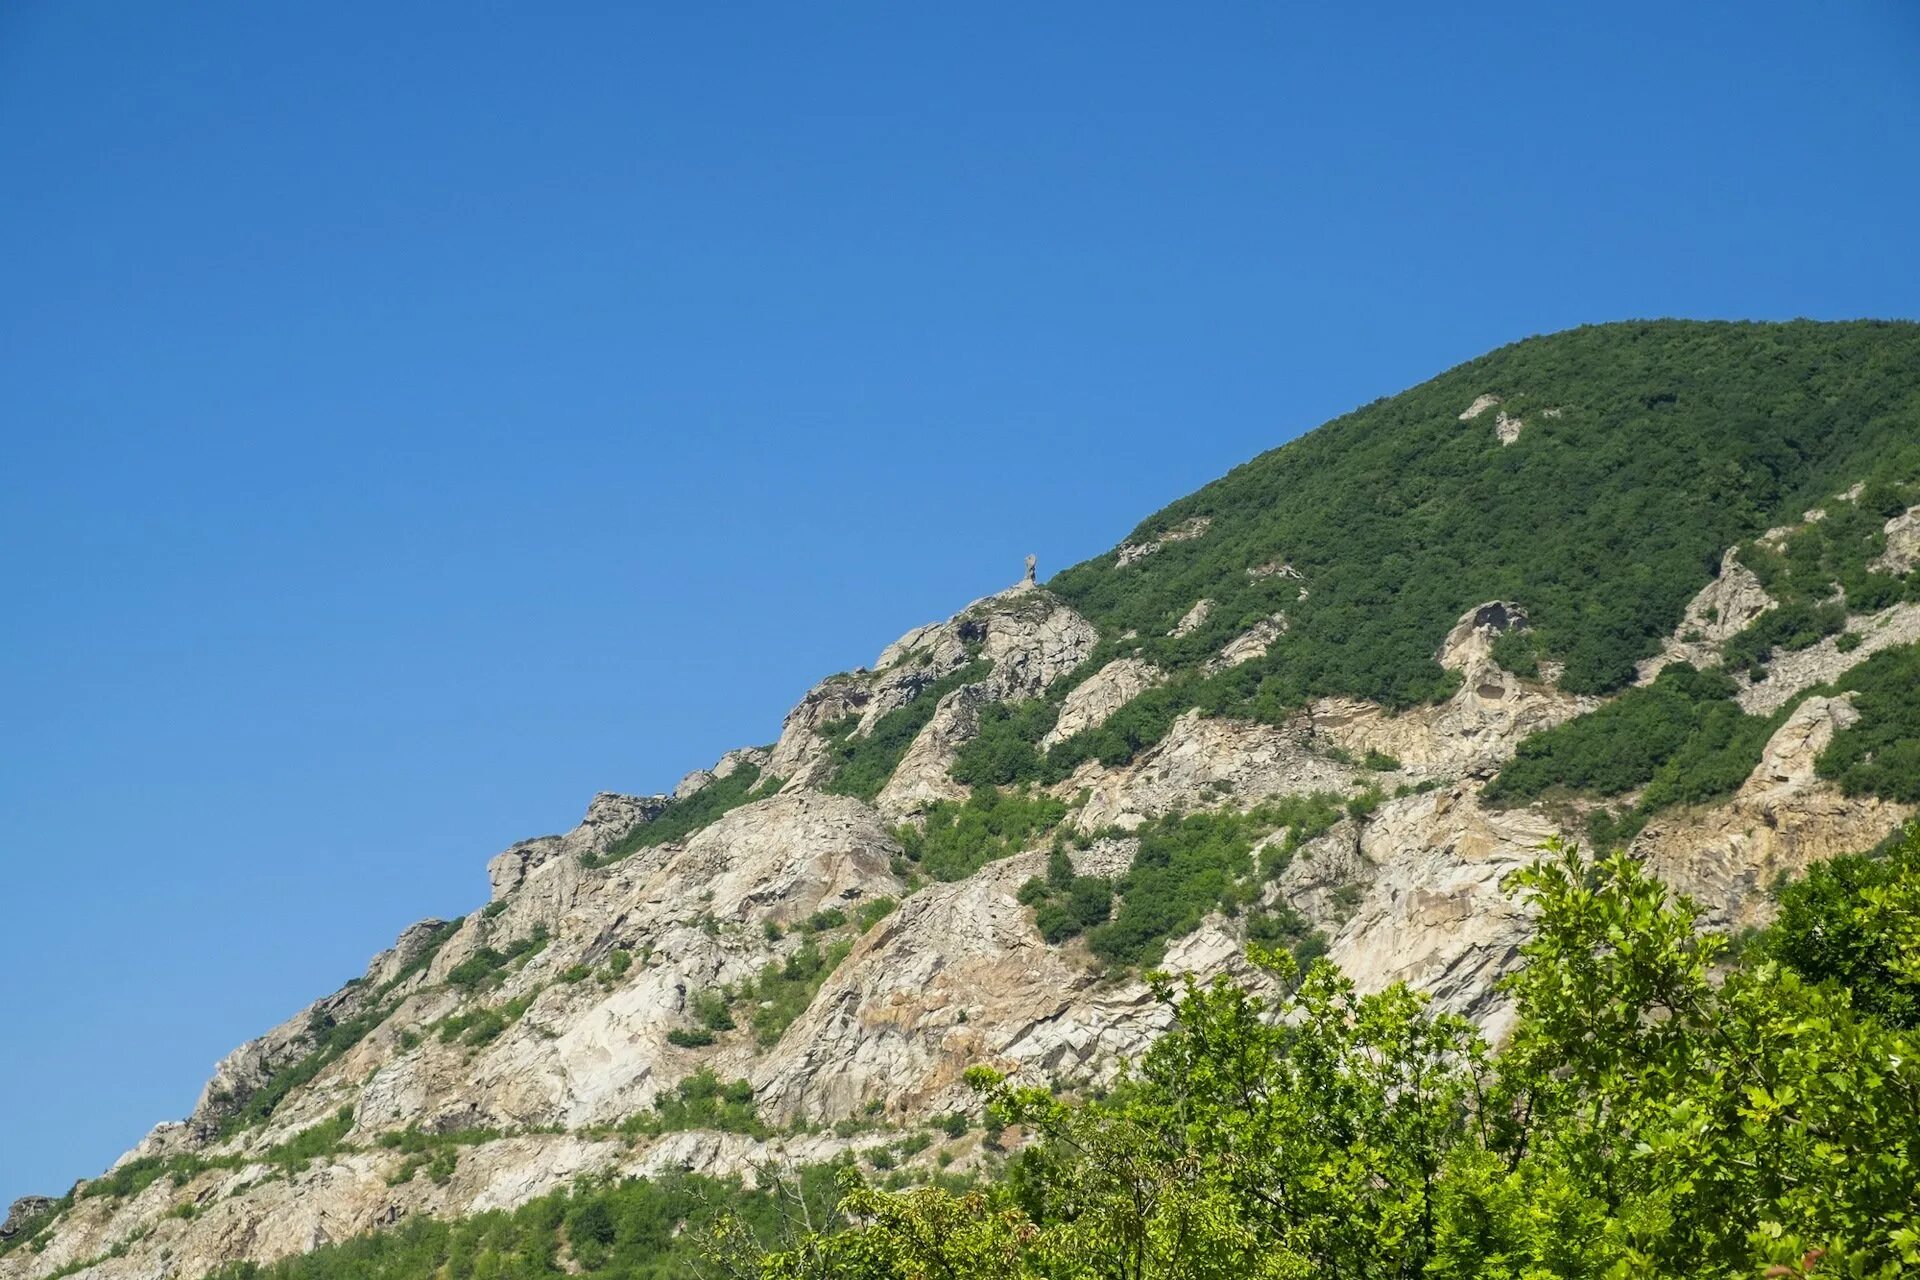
<point x="1431" y="911"/>
<point x="1471" y="733"/>
<point x="1250" y="644"/>
<point x="1185" y="531"/>
<point x="924" y="775"/>
<point x="609" y="817"/>
<point x="1902" y="555"/>
<point x="1031" y="639"/>
<point x="1089" y="703"/>
<point x="1783" y="818"/>
<point x="1210" y="761"/>
<point x="800" y="754"/>
<point x="21" y="1212"/>
<point x="1480" y="405"/>
<point x="1722" y="609"/>
<point x="1790" y="672"/>
<point x="1191" y="621"/>
<point x="1274" y="569"/>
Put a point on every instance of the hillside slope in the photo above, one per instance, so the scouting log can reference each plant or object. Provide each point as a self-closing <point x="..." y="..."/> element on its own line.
<point x="1658" y="581"/>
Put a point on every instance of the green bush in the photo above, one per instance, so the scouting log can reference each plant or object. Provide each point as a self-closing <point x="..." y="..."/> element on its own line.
<point x="1880" y="755"/>
<point x="413" y="1141"/>
<point x="129" y="1179"/>
<point x="1006" y="750"/>
<point x="1834" y="926"/>
<point x="1066" y="904"/>
<point x="634" y="1229"/>
<point x="1789" y="627"/>
<point x="1831" y="555"/>
<point x="1139" y="723"/>
<point x="1622" y="744"/>
<point x="861" y="765"/>
<point x="873" y="912"/>
<point x="483" y="1025"/>
<point x="701" y="1101"/>
<point x="1283" y="927"/>
<point x="957" y="839"/>
<point x="1518" y="651"/>
<point x="785" y="988"/>
<point x="711" y="1010"/>
<point x="484" y="965"/>
<point x="1682" y="740"/>
<point x="1187" y="866"/>
<point x="822" y="920"/>
<point x="681" y="818"/>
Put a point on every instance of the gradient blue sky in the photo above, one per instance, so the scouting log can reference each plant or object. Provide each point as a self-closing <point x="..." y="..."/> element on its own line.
<point x="419" y="417"/>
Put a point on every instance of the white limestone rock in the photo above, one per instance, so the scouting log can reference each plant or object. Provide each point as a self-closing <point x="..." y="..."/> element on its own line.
<point x="1789" y="673"/>
<point x="1473" y="732"/>
<point x="1205" y="761"/>
<point x="1902" y="555"/>
<point x="1191" y="620"/>
<point x="1250" y="644"/>
<point x="1721" y="610"/>
<point x="1784" y="817"/>
<point x="1185" y="531"/>
<point x="1480" y="405"/>
<point x="1089" y="703"/>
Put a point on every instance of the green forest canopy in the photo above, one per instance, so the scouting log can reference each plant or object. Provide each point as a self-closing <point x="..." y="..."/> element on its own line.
<point x="1669" y="442"/>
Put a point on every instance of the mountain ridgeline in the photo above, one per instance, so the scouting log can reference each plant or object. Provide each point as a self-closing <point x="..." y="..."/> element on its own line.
<point x="886" y="998"/>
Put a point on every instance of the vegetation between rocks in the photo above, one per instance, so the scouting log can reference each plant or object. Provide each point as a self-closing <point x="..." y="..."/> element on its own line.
<point x="682" y="817"/>
<point x="956" y="839"/>
<point x="1188" y="865"/>
<point x="1683" y="740"/>
<point x="860" y="764"/>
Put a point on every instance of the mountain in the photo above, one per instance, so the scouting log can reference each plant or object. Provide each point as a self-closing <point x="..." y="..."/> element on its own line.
<point x="1654" y="582"/>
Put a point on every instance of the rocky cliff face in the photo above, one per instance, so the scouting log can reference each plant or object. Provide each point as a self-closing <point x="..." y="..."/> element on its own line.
<point x="480" y="1063"/>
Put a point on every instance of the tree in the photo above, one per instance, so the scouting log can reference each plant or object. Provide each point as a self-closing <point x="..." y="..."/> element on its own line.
<point x="1654" y="1113"/>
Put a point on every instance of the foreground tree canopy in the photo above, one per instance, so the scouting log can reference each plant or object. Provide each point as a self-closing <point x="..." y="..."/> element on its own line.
<point x="1662" y="1108"/>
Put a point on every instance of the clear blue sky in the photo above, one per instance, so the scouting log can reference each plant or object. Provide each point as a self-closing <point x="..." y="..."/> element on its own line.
<point x="419" y="417"/>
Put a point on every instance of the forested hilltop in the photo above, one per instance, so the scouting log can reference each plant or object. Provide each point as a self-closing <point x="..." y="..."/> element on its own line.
<point x="1597" y="478"/>
<point x="1638" y="454"/>
<point x="1186" y="915"/>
